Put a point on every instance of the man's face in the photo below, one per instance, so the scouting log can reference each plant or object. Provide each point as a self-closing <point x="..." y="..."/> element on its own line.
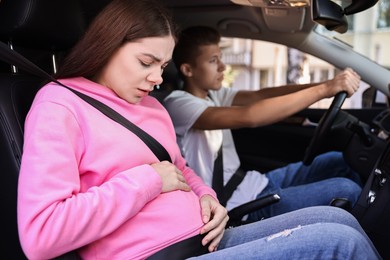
<point x="207" y="69"/>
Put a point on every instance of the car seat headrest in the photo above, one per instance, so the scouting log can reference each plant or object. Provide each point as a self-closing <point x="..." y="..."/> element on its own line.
<point x="42" y="24"/>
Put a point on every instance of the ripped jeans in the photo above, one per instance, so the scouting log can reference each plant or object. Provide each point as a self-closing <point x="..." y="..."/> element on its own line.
<point x="320" y="232"/>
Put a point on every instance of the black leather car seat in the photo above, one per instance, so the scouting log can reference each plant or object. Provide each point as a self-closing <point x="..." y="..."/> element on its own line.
<point x="38" y="30"/>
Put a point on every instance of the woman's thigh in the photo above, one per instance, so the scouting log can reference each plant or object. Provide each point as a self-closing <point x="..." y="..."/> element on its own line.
<point x="313" y="241"/>
<point x="298" y="234"/>
<point x="290" y="220"/>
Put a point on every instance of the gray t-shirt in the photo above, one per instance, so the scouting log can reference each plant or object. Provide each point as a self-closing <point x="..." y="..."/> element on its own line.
<point x="200" y="147"/>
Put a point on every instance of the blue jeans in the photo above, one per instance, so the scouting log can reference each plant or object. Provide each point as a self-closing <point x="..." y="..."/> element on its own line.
<point x="300" y="186"/>
<point x="320" y="232"/>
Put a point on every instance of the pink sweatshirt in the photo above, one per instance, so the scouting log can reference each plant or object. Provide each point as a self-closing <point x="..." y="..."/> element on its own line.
<point x="86" y="181"/>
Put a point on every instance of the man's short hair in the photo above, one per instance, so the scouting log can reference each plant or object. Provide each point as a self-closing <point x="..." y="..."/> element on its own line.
<point x="189" y="41"/>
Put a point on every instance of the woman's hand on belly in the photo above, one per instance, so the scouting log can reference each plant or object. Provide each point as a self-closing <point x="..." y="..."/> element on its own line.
<point x="172" y="178"/>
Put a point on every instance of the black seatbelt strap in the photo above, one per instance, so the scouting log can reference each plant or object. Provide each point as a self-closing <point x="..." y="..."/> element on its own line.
<point x="153" y="144"/>
<point x="12" y="57"/>
<point x="225" y="192"/>
<point x="217" y="184"/>
<point x="233" y="183"/>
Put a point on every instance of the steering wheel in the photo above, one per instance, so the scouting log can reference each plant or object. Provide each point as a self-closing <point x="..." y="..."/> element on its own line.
<point x="323" y="127"/>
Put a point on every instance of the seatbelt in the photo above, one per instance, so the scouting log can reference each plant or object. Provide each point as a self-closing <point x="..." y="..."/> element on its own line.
<point x="217" y="183"/>
<point x="152" y="143"/>
<point x="12" y="57"/>
<point x="233" y="183"/>
<point x="224" y="192"/>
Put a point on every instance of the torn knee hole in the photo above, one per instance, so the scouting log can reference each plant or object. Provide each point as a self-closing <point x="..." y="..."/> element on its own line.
<point x="283" y="233"/>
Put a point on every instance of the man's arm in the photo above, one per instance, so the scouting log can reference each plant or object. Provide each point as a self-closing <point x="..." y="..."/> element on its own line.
<point x="273" y="109"/>
<point x="246" y="97"/>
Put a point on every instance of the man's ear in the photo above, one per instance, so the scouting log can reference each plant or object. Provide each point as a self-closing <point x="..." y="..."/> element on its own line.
<point x="186" y="70"/>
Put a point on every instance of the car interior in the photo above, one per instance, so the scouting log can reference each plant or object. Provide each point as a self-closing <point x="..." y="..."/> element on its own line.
<point x="44" y="31"/>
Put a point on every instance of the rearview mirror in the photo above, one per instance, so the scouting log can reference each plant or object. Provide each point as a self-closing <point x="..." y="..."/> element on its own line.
<point x="330" y="15"/>
<point x="359" y="5"/>
<point x="333" y="16"/>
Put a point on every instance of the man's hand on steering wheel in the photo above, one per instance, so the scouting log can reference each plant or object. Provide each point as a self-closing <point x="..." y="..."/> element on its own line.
<point x="347" y="81"/>
<point x="342" y="86"/>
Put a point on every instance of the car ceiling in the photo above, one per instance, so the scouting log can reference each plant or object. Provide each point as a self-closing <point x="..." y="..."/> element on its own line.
<point x="234" y="20"/>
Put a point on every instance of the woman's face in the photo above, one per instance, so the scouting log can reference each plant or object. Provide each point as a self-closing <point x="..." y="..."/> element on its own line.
<point x="136" y="67"/>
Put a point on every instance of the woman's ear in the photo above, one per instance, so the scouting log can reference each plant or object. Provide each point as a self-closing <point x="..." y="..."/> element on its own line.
<point x="186" y="70"/>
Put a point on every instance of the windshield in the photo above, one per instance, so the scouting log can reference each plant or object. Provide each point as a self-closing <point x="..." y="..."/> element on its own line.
<point x="368" y="33"/>
<point x="253" y="64"/>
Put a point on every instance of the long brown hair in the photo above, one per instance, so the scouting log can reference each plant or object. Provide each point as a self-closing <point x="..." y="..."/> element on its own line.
<point x="119" y="22"/>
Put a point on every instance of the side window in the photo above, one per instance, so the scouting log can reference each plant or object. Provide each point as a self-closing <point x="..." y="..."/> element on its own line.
<point x="252" y="65"/>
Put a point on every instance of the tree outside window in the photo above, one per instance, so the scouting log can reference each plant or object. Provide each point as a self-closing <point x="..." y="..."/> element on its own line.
<point x="384" y="14"/>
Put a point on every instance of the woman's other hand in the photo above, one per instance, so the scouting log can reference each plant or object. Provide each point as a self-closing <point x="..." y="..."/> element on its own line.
<point x="215" y="217"/>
